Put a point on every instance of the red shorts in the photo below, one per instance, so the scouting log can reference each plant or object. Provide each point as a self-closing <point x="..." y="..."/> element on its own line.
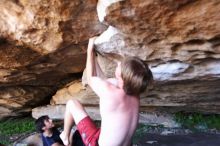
<point x="88" y="131"/>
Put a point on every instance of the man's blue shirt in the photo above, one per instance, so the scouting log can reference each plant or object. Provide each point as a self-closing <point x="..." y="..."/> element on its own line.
<point x="48" y="141"/>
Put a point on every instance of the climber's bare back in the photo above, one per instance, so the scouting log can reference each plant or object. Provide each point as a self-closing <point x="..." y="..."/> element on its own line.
<point x="119" y="113"/>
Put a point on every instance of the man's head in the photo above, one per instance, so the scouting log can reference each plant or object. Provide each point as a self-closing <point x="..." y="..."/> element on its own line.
<point x="135" y="74"/>
<point x="43" y="123"/>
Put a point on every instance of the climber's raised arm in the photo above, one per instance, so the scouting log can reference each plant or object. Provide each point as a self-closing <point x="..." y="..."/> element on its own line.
<point x="92" y="67"/>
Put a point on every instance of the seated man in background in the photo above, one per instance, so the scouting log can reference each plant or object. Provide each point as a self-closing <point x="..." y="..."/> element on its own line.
<point x="49" y="133"/>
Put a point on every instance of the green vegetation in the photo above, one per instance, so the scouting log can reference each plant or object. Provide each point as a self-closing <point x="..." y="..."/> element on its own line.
<point x="12" y="127"/>
<point x="198" y="121"/>
<point x="141" y="129"/>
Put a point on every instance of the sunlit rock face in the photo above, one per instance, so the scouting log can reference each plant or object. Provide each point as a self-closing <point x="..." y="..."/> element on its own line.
<point x="48" y="25"/>
<point x="42" y="44"/>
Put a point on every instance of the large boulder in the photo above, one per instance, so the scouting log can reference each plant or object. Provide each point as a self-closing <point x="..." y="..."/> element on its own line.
<point x="43" y="45"/>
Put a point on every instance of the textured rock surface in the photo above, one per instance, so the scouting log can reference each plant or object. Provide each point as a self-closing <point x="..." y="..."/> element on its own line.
<point x="43" y="42"/>
<point x="47" y="25"/>
<point x="19" y="100"/>
<point x="75" y="90"/>
<point x="168" y="97"/>
<point x="179" y="39"/>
